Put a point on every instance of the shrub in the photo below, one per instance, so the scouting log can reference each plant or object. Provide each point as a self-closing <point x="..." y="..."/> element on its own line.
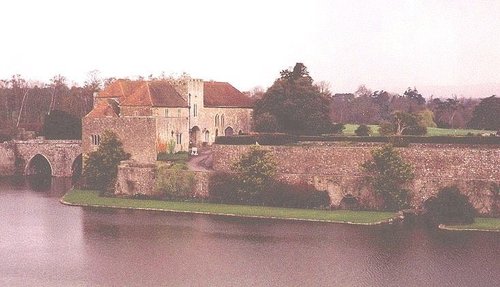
<point x="338" y="128"/>
<point x="363" y="131"/>
<point x="223" y="188"/>
<point x="101" y="166"/>
<point x="389" y="174"/>
<point x="175" y="183"/>
<point x="298" y="195"/>
<point x="174" y="157"/>
<point x="450" y="207"/>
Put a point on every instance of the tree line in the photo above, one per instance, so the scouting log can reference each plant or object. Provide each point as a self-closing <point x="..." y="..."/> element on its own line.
<point x="27" y="105"/>
<point x="297" y="104"/>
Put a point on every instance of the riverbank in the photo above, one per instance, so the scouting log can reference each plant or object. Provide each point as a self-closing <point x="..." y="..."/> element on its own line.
<point x="480" y="224"/>
<point x="87" y="198"/>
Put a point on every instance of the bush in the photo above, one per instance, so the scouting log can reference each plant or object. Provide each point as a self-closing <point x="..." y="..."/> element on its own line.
<point x="174" y="157"/>
<point x="101" y="166"/>
<point x="223" y="188"/>
<point x="389" y="174"/>
<point x="174" y="183"/>
<point x="338" y="128"/>
<point x="298" y="195"/>
<point x="450" y="207"/>
<point x="226" y="188"/>
<point x="363" y="131"/>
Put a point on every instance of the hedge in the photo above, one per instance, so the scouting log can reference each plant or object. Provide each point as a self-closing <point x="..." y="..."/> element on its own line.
<point x="283" y="139"/>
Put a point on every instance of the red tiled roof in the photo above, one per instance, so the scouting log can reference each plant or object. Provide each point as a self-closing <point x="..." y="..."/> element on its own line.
<point x="119" y="89"/>
<point x="103" y="109"/>
<point x="221" y="94"/>
<point x="143" y="93"/>
<point x="164" y="94"/>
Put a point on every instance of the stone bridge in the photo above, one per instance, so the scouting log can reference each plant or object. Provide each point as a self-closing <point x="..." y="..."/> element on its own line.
<point x="60" y="158"/>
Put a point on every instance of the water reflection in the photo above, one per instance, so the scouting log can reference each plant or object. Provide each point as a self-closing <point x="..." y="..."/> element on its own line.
<point x="45" y="243"/>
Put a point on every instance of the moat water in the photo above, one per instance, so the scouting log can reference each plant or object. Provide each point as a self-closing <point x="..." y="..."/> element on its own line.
<point x="44" y="243"/>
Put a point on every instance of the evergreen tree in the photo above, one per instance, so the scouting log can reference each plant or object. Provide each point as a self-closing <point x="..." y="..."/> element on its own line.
<point x="297" y="105"/>
<point x="101" y="166"/>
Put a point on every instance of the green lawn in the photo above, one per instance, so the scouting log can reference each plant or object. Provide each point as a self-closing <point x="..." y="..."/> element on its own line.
<point x="350" y="128"/>
<point x="479" y="224"/>
<point x="92" y="198"/>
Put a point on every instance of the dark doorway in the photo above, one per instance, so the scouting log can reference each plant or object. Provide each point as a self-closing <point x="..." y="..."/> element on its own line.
<point x="195" y="136"/>
<point x="228" y="131"/>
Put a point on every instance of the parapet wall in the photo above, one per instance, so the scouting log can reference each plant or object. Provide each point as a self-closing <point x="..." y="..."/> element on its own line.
<point x="335" y="167"/>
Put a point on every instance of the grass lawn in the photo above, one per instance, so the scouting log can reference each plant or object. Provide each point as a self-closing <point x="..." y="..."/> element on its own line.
<point x="92" y="198"/>
<point x="480" y="223"/>
<point x="350" y="128"/>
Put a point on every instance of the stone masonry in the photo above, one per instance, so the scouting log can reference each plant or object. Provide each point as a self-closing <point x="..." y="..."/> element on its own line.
<point x="335" y="167"/>
<point x="16" y="156"/>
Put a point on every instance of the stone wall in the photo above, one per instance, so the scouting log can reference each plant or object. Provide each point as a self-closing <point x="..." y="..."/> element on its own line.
<point x="335" y="167"/>
<point x="7" y="159"/>
<point x="138" y="178"/>
<point x="138" y="135"/>
<point x="135" y="178"/>
<point x="16" y="156"/>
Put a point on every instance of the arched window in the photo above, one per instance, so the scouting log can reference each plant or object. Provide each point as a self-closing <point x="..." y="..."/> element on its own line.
<point x="222" y="121"/>
<point x="216" y="120"/>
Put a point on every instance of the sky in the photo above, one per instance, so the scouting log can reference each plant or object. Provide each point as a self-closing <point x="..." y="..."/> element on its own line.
<point x="388" y="45"/>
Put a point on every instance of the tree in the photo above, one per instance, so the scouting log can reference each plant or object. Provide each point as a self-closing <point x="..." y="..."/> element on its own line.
<point x="298" y="105"/>
<point x="450" y="207"/>
<point x="266" y="123"/>
<point x="256" y="170"/>
<point x="61" y="125"/>
<point x="101" y="166"/>
<point x="363" y="131"/>
<point x="427" y="118"/>
<point x="389" y="174"/>
<point x="403" y="123"/>
<point x="486" y="114"/>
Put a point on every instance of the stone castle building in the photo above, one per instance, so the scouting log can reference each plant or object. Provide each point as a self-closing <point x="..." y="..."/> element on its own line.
<point x="166" y="115"/>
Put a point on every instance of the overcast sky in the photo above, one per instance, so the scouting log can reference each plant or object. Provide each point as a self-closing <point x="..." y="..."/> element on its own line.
<point x="383" y="44"/>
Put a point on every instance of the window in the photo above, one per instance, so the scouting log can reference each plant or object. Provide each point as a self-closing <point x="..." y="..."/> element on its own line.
<point x="96" y="139"/>
<point x="222" y="121"/>
<point x="195" y="110"/>
<point x="166" y="113"/>
<point x="179" y="138"/>
<point x="216" y="120"/>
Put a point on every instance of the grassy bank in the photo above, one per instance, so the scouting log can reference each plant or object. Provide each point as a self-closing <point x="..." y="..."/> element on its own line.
<point x="486" y="224"/>
<point x="350" y="128"/>
<point x="92" y="198"/>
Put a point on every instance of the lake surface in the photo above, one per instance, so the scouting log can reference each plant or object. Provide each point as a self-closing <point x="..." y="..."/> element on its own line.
<point x="44" y="243"/>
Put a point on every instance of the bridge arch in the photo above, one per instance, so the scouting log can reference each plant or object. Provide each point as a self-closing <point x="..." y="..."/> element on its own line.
<point x="39" y="164"/>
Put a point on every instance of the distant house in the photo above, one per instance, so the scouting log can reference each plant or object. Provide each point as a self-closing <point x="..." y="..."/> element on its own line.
<point x="162" y="115"/>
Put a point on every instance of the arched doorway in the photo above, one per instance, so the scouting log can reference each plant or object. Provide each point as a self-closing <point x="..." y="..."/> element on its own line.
<point x="195" y="136"/>
<point x="207" y="136"/>
<point x="76" y="169"/>
<point x="228" y="131"/>
<point x="39" y="173"/>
